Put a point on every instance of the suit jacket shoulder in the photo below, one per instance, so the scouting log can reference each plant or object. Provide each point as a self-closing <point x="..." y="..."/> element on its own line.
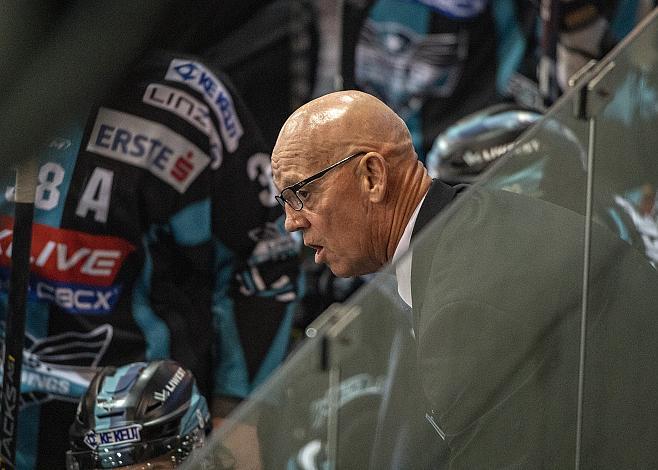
<point x="497" y="288"/>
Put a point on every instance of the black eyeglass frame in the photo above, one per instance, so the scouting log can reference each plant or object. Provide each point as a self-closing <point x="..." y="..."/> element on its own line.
<point x="299" y="185"/>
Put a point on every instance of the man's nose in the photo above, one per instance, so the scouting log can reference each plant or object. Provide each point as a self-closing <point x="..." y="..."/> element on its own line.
<point x="295" y="220"/>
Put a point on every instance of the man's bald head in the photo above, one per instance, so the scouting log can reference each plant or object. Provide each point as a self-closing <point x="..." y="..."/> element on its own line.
<point x="339" y="123"/>
<point x="353" y="215"/>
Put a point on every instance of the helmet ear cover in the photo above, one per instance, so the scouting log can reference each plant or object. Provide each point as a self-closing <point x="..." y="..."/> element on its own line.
<point x="468" y="147"/>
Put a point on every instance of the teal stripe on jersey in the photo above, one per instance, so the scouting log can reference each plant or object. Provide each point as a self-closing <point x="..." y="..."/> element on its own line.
<point x="28" y="432"/>
<point x="511" y="42"/>
<point x="155" y="330"/>
<point x="231" y="376"/>
<point x="191" y="226"/>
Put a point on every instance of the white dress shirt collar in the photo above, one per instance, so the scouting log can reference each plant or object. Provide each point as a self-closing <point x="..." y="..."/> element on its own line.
<point x="402" y="257"/>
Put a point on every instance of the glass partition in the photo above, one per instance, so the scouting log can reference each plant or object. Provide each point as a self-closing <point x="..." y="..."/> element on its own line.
<point x="532" y="339"/>
<point x="347" y="398"/>
<point x="620" y="382"/>
<point x="624" y="121"/>
<point x="499" y="282"/>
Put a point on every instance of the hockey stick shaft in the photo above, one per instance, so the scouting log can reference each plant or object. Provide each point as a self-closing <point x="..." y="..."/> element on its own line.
<point x="16" y="311"/>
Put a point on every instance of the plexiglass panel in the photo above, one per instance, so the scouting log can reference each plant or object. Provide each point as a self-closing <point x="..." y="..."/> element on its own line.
<point x="348" y="398"/>
<point x="620" y="383"/>
<point x="499" y="285"/>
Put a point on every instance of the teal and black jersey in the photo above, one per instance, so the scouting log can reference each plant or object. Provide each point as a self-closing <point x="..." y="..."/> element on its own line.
<point x="156" y="235"/>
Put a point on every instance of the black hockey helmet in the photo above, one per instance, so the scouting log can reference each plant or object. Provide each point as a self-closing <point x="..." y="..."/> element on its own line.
<point x="137" y="413"/>
<point x="464" y="150"/>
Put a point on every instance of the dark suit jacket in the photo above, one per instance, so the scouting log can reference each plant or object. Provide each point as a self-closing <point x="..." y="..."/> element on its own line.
<point x="496" y="287"/>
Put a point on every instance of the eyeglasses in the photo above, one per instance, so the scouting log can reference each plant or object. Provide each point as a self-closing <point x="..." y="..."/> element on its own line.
<point x="290" y="194"/>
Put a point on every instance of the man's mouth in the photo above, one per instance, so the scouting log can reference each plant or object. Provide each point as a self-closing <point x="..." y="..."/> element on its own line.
<point x="319" y="250"/>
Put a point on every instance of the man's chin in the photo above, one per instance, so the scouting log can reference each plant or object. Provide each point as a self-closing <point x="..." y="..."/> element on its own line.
<point x="341" y="267"/>
<point x="335" y="270"/>
<point x="342" y="271"/>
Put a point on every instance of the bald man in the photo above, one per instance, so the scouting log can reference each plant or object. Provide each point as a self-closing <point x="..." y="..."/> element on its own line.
<point x="495" y="286"/>
<point x="373" y="149"/>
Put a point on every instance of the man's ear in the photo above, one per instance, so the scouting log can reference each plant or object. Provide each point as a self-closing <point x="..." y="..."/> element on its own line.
<point x="373" y="174"/>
